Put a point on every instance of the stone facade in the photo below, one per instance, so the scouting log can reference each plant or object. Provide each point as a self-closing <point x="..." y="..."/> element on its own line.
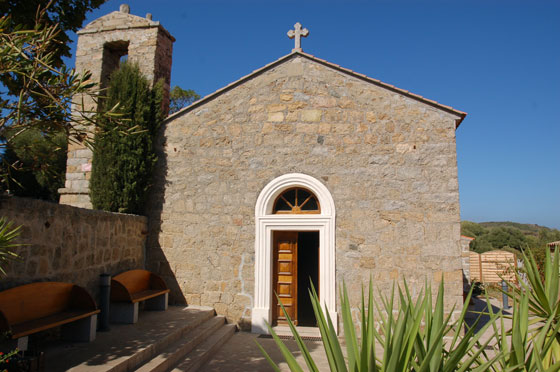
<point x="465" y="257"/>
<point x="68" y="244"/>
<point x="387" y="157"/>
<point x="101" y="45"/>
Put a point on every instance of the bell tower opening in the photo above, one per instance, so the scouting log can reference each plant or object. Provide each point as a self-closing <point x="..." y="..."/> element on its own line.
<point x="113" y="54"/>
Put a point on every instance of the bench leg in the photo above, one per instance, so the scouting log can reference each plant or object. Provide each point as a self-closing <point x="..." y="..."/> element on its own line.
<point x="80" y="330"/>
<point x="122" y="312"/>
<point x="157" y="303"/>
<point x="20" y="343"/>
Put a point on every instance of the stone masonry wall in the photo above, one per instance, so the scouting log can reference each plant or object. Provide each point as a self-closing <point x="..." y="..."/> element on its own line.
<point x="389" y="162"/>
<point x="69" y="244"/>
<point x="100" y="45"/>
<point x="465" y="258"/>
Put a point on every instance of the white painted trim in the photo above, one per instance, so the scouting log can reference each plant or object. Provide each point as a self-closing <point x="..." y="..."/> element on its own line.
<point x="266" y="223"/>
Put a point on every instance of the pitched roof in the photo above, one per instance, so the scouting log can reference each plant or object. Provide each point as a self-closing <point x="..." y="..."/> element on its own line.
<point x="310" y="57"/>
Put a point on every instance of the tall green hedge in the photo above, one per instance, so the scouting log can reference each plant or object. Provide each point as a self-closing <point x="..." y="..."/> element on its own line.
<point x="124" y="154"/>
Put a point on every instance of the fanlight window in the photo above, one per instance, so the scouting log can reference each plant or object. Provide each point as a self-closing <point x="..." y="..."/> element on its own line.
<point x="296" y="201"/>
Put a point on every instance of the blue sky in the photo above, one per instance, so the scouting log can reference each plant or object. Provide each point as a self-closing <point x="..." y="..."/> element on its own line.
<point x="497" y="60"/>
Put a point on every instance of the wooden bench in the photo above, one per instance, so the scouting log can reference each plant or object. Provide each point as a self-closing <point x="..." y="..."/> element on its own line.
<point x="130" y="288"/>
<point x="36" y="307"/>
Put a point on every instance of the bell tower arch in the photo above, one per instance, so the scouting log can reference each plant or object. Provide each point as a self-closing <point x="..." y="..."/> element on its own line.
<point x="101" y="46"/>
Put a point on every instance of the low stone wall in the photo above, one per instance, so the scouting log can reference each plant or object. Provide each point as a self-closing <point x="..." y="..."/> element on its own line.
<point x="69" y="244"/>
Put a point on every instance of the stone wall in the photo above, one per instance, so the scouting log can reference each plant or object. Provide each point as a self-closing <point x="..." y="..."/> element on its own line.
<point x="389" y="162"/>
<point x="465" y="258"/>
<point x="69" y="244"/>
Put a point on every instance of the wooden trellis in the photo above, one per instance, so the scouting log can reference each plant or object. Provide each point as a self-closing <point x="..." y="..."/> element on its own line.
<point x="489" y="266"/>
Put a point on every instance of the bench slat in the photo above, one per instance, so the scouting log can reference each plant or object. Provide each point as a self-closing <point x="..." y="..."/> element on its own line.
<point x="147" y="294"/>
<point x="41" y="324"/>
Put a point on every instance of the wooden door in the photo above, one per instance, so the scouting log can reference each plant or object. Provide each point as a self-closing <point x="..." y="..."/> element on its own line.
<point x="285" y="275"/>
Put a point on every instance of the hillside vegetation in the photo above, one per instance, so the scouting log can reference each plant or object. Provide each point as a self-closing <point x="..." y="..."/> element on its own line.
<point x="511" y="236"/>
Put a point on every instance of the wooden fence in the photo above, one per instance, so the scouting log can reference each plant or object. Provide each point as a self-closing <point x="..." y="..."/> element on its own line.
<point x="489" y="266"/>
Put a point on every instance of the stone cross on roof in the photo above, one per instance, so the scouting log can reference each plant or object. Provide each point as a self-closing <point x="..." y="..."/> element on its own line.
<point x="297" y="34"/>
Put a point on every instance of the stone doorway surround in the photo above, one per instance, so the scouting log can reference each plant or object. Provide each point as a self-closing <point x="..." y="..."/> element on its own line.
<point x="266" y="223"/>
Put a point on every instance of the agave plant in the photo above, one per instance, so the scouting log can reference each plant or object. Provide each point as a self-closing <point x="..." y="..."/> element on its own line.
<point x="521" y="348"/>
<point x="538" y="303"/>
<point x="7" y="236"/>
<point x="412" y="337"/>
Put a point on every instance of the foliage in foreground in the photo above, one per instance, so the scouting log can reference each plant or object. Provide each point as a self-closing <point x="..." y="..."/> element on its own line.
<point x="7" y="236"/>
<point x="412" y="337"/>
<point x="38" y="95"/>
<point x="538" y="292"/>
<point x="123" y="160"/>
<point x="68" y="15"/>
<point x="418" y="336"/>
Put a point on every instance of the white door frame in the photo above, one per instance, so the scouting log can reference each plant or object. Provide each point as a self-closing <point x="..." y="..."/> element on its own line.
<point x="266" y="223"/>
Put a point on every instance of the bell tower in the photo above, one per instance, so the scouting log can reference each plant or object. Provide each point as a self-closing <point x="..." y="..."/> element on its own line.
<point x="101" y="46"/>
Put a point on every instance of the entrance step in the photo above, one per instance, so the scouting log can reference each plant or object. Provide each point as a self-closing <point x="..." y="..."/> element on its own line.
<point x="182" y="350"/>
<point x="203" y="352"/>
<point x="306" y="332"/>
<point x="158" y="336"/>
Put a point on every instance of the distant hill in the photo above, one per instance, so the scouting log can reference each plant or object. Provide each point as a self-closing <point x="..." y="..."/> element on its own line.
<point x="526" y="228"/>
<point x="508" y="235"/>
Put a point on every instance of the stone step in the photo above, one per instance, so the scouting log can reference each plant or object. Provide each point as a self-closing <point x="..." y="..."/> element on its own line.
<point x="170" y="356"/>
<point x="126" y="347"/>
<point x="174" y="335"/>
<point x="204" y="351"/>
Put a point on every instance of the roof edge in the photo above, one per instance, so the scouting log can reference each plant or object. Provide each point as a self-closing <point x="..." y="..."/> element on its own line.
<point x="228" y="87"/>
<point x="151" y="24"/>
<point x="460" y="114"/>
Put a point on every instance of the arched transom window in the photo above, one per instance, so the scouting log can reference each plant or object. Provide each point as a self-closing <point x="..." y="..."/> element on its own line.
<point x="296" y="200"/>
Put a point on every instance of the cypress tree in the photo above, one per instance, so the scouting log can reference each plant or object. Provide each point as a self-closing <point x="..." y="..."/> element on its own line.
<point x="124" y="154"/>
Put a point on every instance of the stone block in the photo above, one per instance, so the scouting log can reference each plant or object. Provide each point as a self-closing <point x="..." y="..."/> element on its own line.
<point x="306" y="128"/>
<point x="311" y="115"/>
<point x="276" y="117"/>
<point x="275" y="107"/>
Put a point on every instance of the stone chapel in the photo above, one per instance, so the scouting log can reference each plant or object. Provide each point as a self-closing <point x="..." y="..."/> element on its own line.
<point x="301" y="171"/>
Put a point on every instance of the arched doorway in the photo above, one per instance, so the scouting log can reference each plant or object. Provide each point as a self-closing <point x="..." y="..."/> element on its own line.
<point x="293" y="209"/>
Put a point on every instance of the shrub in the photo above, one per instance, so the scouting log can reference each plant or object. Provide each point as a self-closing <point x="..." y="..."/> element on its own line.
<point x="7" y="235"/>
<point x="416" y="335"/>
<point x="124" y="158"/>
<point x="412" y="337"/>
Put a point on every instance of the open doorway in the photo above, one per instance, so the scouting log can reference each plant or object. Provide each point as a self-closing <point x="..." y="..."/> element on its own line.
<point x="296" y="266"/>
<point x="308" y="259"/>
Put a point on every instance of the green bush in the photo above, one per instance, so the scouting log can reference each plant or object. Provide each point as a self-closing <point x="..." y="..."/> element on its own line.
<point x="124" y="154"/>
<point x="412" y="337"/>
<point x="539" y="292"/>
<point x="35" y="164"/>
